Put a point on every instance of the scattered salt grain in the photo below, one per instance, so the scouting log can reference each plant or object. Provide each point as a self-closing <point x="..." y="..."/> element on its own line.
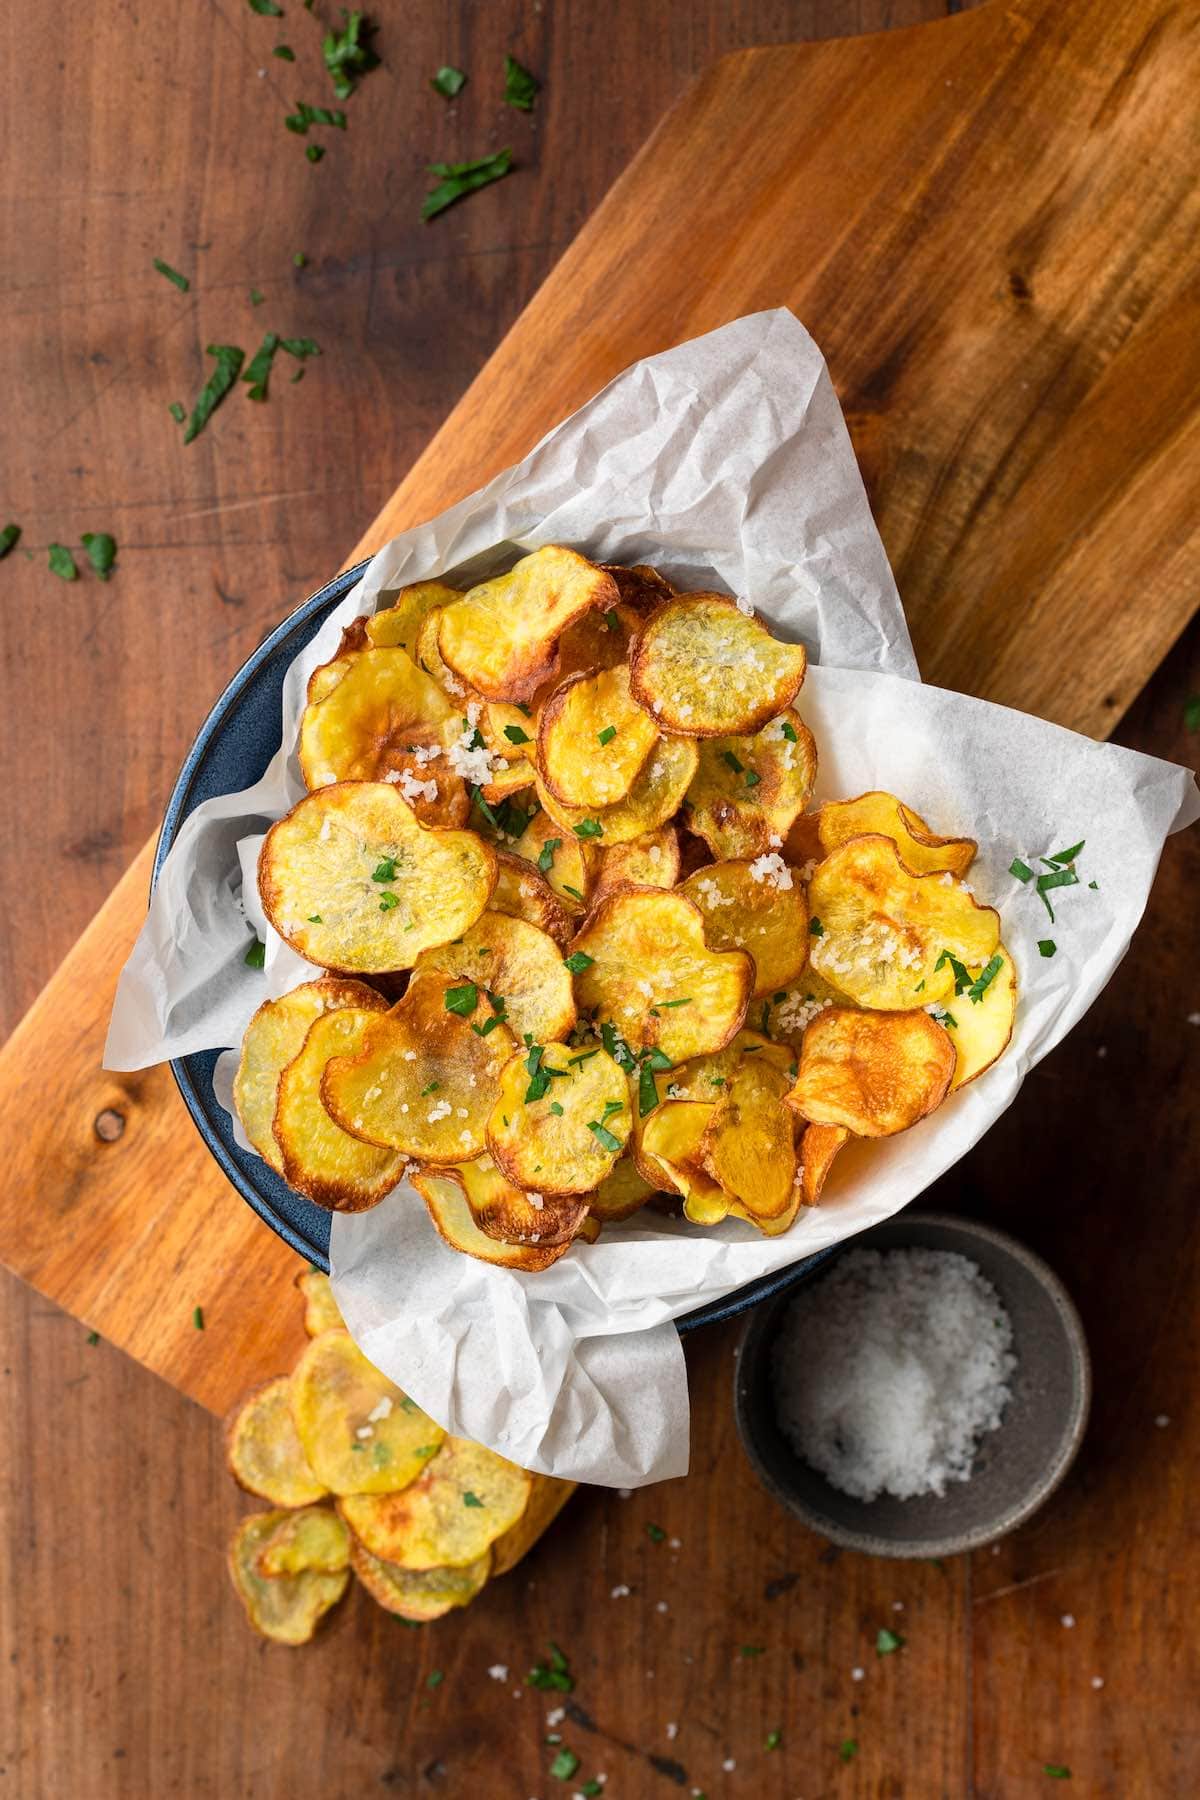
<point x="1162" y="1420"/>
<point x="326" y="828"/>
<point x="1068" y="1621"/>
<point x="620" y="1592"/>
<point x="1192" y="1018"/>
<point x="729" y="1765"/>
<point x="672" y="1730"/>
<point x="499" y="1671"/>
<point x="857" y="1674"/>
<point x="897" y="1606"/>
<point x="555" y="1716"/>
<point x="537" y="1201"/>
<point x="381" y="1410"/>
<point x="661" y="1606"/>
<point x="1097" y="1681"/>
<point x="365" y="1431"/>
<point x="771" y="868"/>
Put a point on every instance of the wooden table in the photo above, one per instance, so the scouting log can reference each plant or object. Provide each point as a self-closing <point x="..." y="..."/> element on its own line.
<point x="133" y="1673"/>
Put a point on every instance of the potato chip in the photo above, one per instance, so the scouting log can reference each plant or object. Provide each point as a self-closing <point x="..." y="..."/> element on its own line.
<point x="560" y="1119"/>
<point x="653" y="977"/>
<point x="802" y="843"/>
<point x="790" y="1011"/>
<point x="424" y="1078"/>
<point x="651" y="860"/>
<point x="748" y="1146"/>
<point x="429" y="658"/>
<point x="523" y="892"/>
<point x="622" y="1192"/>
<point x="517" y="963"/>
<point x="654" y="798"/>
<point x="274" y="1038"/>
<point x="264" y="1454"/>
<point x="758" y="907"/>
<point x="887" y="936"/>
<point x="510" y="1215"/>
<point x="593" y="738"/>
<point x="321" y="1312"/>
<point x="398" y="626"/>
<point x="567" y="862"/>
<point x="547" y="1497"/>
<point x="775" y="1227"/>
<point x="353" y="880"/>
<point x="501" y="636"/>
<point x="875" y="1073"/>
<point x="285" y="1608"/>
<point x="313" y="1538"/>
<point x="506" y="780"/>
<point x="704" y="1079"/>
<point x="446" y="1200"/>
<point x="920" y="848"/>
<point x="639" y="585"/>
<point x="320" y="1159"/>
<point x="360" y="1432"/>
<point x="983" y="1028"/>
<point x="419" y="1594"/>
<point x="818" y="1147"/>
<point x="747" y="791"/>
<point x="672" y="1137"/>
<point x="703" y="667"/>
<point x="465" y="1499"/>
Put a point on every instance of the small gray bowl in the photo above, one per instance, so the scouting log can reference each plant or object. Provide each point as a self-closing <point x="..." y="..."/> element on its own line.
<point x="1018" y="1466"/>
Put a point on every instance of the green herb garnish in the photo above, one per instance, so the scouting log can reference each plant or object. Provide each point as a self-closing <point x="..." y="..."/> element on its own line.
<point x="607" y="735"/>
<point x="647" y="1090"/>
<point x="258" y="373"/>
<point x="1055" y="879"/>
<point x="462" y="1000"/>
<point x="459" y="179"/>
<point x="603" y="1136"/>
<point x="62" y="563"/>
<point x="655" y="1533"/>
<point x="789" y="731"/>
<point x="1066" y="856"/>
<point x="1191" y="713"/>
<point x="172" y="275"/>
<point x="300" y="348"/>
<point x="727" y="756"/>
<point x="348" y="54"/>
<point x="752" y="1650"/>
<point x="305" y="116"/>
<point x="556" y="1109"/>
<point x="589" y="828"/>
<point x="93" y="1338"/>
<point x="266" y="9"/>
<point x="667" y="1004"/>
<point x="256" y="955"/>
<point x="385" y="869"/>
<point x="848" y="1749"/>
<point x="564" y="1765"/>
<point x="177" y="412"/>
<point x="984" y="979"/>
<point x="10" y="537"/>
<point x="1056" y="1771"/>
<point x="388" y="902"/>
<point x="886" y="1641"/>
<point x="574" y="892"/>
<point x="515" y="735"/>
<point x="962" y="975"/>
<point x="198" y="1317"/>
<point x="448" y="82"/>
<point x="586" y="1056"/>
<point x="520" y="87"/>
<point x="1047" y="946"/>
<point x="553" y="1675"/>
<point x="434" y="1678"/>
<point x="545" y="859"/>
<point x="314" y="152"/>
<point x="299" y="260"/>
<point x="284" y="52"/>
<point x="315" y="919"/>
<point x="470" y="1499"/>
<point x="611" y="621"/>
<point x="815" y="928"/>
<point x="752" y="778"/>
<point x="578" y="961"/>
<point x="229" y="367"/>
<point x="1020" y="869"/>
<point x="101" y="552"/>
<point x="772" y="1740"/>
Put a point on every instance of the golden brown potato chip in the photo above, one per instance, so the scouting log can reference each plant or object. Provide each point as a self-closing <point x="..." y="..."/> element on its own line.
<point x="920" y="848"/>
<point x="560" y="1119"/>
<point x="982" y="1028"/>
<point x="770" y="1227"/>
<point x="875" y="1073"/>
<point x="547" y="1498"/>
<point x="510" y="1215"/>
<point x="501" y="636"/>
<point x="274" y="1038"/>
<point x="648" y="861"/>
<point x="523" y="892"/>
<point x="703" y="667"/>
<point x="505" y="781"/>
<point x="285" y="1608"/>
<point x="446" y="1200"/>
<point x="748" y="1145"/>
<point x="887" y="936"/>
<point x="466" y="1499"/>
<point x="704" y="1079"/>
<point x="652" y="975"/>
<point x="517" y="963"/>
<point x="654" y="798"/>
<point x="424" y="1078"/>
<point x="321" y="1312"/>
<point x="622" y="1192"/>
<point x="320" y="1159"/>
<point x="639" y="585"/>
<point x="429" y="658"/>
<point x="419" y="1594"/>
<point x="509" y="730"/>
<point x="672" y="1138"/>
<point x="264" y="1454"/>
<point x="788" y="1018"/>
<point x="593" y="738"/>
<point x="398" y="626"/>
<point x="802" y="843"/>
<point x="747" y="791"/>
<point x="353" y="880"/>
<point x="360" y="1432"/>
<point x="759" y="907"/>
<point x="313" y="1538"/>
<point x="818" y="1147"/>
<point x="566" y="861"/>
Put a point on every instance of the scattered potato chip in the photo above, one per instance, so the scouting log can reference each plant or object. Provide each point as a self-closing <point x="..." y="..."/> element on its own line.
<point x="450" y="1516"/>
<point x="320" y="1159"/>
<point x="501" y="636"/>
<point x="671" y="1142"/>
<point x="593" y="738"/>
<point x="547" y="1497"/>
<point x="789" y="1012"/>
<point x="887" y="936"/>
<point x="654" y="798"/>
<point x="748" y="1146"/>
<point x="983" y="1028"/>
<point x="445" y="1198"/>
<point x="747" y="791"/>
<point x="818" y="1147"/>
<point x="566" y="861"/>
<point x="651" y="860"/>
<point x="321" y="1312"/>
<point x="875" y="1073"/>
<point x="560" y="1120"/>
<point x="274" y="1038"/>
<point x="653" y="977"/>
<point x="425" y="1074"/>
<point x="264" y="1454"/>
<point x="920" y="848"/>
<point x="517" y="963"/>
<point x="510" y="1215"/>
<point x="353" y="880"/>
<point x="398" y="626"/>
<point x="703" y="667"/>
<point x="313" y="1538"/>
<point x="360" y="1432"/>
<point x="758" y="907"/>
<point x="523" y="892"/>
<point x="622" y="1192"/>
<point x="419" y="1594"/>
<point x="285" y="1608"/>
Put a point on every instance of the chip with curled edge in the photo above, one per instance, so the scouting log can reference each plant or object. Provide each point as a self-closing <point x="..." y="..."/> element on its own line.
<point x="748" y="1146"/>
<point x="703" y="667"/>
<point x="747" y="791"/>
<point x="654" y="797"/>
<point x="593" y="738"/>
<point x="398" y="626"/>
<point x="361" y="1433"/>
<point x="264" y="1453"/>
<point x="671" y="1144"/>
<point x="560" y="1120"/>
<point x="465" y="1499"/>
<point x="651" y="860"/>
<point x="446" y="1201"/>
<point x="819" y="1145"/>
<point x="519" y="964"/>
<point x="419" y="1594"/>
<point x="510" y="1215"/>
<point x="523" y="892"/>
<point x="334" y="1168"/>
<point x="501" y="636"/>
<point x="919" y="846"/>
<point x="758" y="907"/>
<point x="875" y="1073"/>
<point x="983" y="1026"/>
<point x="567" y="862"/>
<point x="285" y="1608"/>
<point x="273" y="1038"/>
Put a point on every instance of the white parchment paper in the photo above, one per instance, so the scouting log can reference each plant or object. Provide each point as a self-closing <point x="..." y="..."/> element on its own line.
<point x="726" y="463"/>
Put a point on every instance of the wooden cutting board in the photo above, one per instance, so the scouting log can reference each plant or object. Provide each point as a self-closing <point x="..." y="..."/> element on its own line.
<point x="986" y="223"/>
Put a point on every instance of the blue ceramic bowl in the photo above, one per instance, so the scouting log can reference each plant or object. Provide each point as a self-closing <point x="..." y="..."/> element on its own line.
<point x="233" y="747"/>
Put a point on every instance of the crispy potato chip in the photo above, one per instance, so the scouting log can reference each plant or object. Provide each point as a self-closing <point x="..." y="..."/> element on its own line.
<point x="452" y="1515"/>
<point x="622" y="1192"/>
<point x="770" y="1227"/>
<point x="285" y="1608"/>
<point x="983" y="1028"/>
<point x="419" y="1594"/>
<point x="885" y="931"/>
<point x="567" y="862"/>
<point x="274" y="1038"/>
<point x="429" y="658"/>
<point x="758" y="907"/>
<point x="523" y="892"/>
<point x="560" y="1119"/>
<point x="353" y="880"/>
<point x="920" y="848"/>
<point x="510" y="1215"/>
<point x="509" y="730"/>
<point x="639" y="585"/>
<point x="651" y="860"/>
<point x="424" y="1078"/>
<point x="654" y="978"/>
<point x="321" y="1312"/>
<point x="547" y="1497"/>
<point x="446" y="1200"/>
<point x="506" y="780"/>
<point x="747" y="791"/>
<point x="875" y="1073"/>
<point x="501" y="636"/>
<point x="788" y="1018"/>
<point x="703" y="667"/>
<point x="593" y="738"/>
<point x="592" y="642"/>
<point x="398" y="626"/>
<point x="313" y="1538"/>
<point x="802" y="844"/>
<point x="672" y="1137"/>
<point x="748" y="1146"/>
<point x="320" y="1159"/>
<point x="264" y="1454"/>
<point x="705" y="1079"/>
<point x="360" y="1432"/>
<point x="818" y="1147"/>
<point x="654" y="798"/>
<point x="519" y="964"/>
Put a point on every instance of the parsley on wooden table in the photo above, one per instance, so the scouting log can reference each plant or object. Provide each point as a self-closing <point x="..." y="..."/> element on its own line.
<point x="101" y="550"/>
<point x="10" y="537"/>
<point x="456" y="180"/>
<point x="62" y="563"/>
<point x="172" y="275"/>
<point x="520" y="87"/>
<point x="448" y="82"/>
<point x="348" y="54"/>
<point x="229" y="360"/>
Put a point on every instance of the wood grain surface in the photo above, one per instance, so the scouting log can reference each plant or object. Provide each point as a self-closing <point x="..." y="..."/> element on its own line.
<point x="131" y="1672"/>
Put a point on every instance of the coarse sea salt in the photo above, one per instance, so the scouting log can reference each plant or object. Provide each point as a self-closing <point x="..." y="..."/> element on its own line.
<point x="889" y="1370"/>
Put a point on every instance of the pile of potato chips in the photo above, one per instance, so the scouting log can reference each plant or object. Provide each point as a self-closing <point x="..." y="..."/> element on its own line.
<point x="586" y="947"/>
<point x="423" y="1519"/>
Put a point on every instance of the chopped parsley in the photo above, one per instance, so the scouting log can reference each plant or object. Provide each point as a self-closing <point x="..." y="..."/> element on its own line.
<point x="815" y="928"/>
<point x="314" y="152"/>
<point x="198" y="1318"/>
<point x="348" y="54"/>
<point x="388" y="902"/>
<point x="306" y="116"/>
<point x="448" y="82"/>
<point x="431" y="1087"/>
<point x="578" y="961"/>
<point x="462" y="1000"/>
<point x="10" y="537"/>
<point x="172" y="275"/>
<point x="752" y="778"/>
<point x="607" y="735"/>
<point x="962" y="975"/>
<point x="455" y="180"/>
<point x="258" y="373"/>
<point x="256" y="955"/>
<point x="553" y="1675"/>
<point x="772" y="1740"/>
<point x="789" y="732"/>
<point x="655" y="1533"/>
<point x="1066" y="856"/>
<point x="520" y="87"/>
<point x="266" y="9"/>
<point x="586" y="1056"/>
<point x="315" y="919"/>
<point x="384" y="870"/>
<point x="556" y="1109"/>
<point x="564" y="1765"/>
<point x="93" y="1338"/>
<point x="1055" y="879"/>
<point x="256" y="299"/>
<point x="470" y="1499"/>
<point x="1191" y="713"/>
<point x="177" y="412"/>
<point x="603" y="1136"/>
<point x="647" y="1090"/>
<point x="300" y="348"/>
<point x="886" y="1641"/>
<point x="101" y="551"/>
<point x="284" y="52"/>
<point x="611" y="622"/>
<point x="686" y="1001"/>
<point x="545" y="861"/>
<point x="752" y="1650"/>
<point x="1020" y="869"/>
<point x="1056" y="1771"/>
<point x="848" y="1749"/>
<point x="727" y="756"/>
<point x="62" y="563"/>
<point x="229" y="366"/>
<point x="591" y="1788"/>
<point x="589" y="828"/>
<point x="574" y="892"/>
<point x="434" y="1678"/>
<point x="984" y="979"/>
<point x="516" y="735"/>
<point x="299" y="260"/>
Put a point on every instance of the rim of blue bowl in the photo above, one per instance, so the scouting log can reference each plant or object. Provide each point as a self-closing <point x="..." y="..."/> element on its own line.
<point x="193" y="1073"/>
